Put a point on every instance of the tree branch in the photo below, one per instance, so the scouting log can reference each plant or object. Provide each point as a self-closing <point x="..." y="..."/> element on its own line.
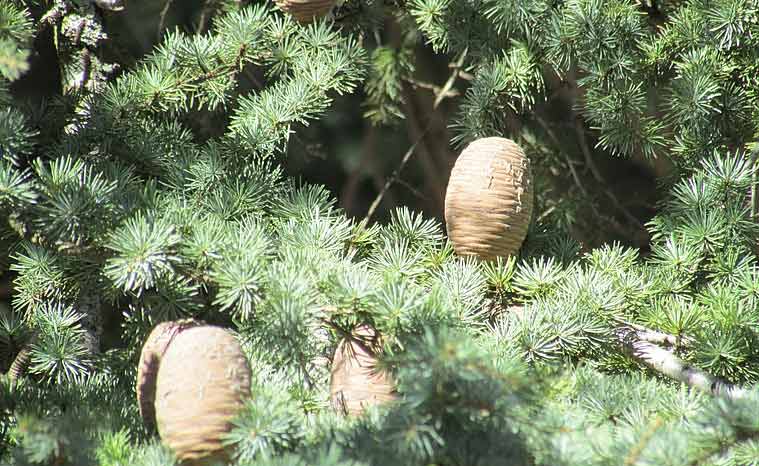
<point x="655" y="336"/>
<point x="394" y="176"/>
<point x="162" y="18"/>
<point x="451" y="79"/>
<point x="580" y="130"/>
<point x="557" y="143"/>
<point x="668" y="364"/>
<point x="407" y="156"/>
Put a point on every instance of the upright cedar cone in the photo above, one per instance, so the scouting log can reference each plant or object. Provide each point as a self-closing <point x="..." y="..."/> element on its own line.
<point x="203" y="382"/>
<point x="20" y="363"/>
<point x="356" y="382"/>
<point x="150" y="359"/>
<point x="305" y="11"/>
<point x="489" y="199"/>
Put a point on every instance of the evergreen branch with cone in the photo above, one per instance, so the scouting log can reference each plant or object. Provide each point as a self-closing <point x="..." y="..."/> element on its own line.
<point x="175" y="296"/>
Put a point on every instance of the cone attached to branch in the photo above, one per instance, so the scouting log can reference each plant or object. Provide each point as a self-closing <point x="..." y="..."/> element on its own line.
<point x="203" y="381"/>
<point x="356" y="381"/>
<point x="150" y="359"/>
<point x="306" y="11"/>
<point x="489" y="199"/>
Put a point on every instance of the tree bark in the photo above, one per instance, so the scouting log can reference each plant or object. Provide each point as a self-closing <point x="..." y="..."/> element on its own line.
<point x="667" y="363"/>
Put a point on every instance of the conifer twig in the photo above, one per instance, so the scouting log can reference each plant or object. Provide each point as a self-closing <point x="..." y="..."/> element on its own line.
<point x="451" y="79"/>
<point x="162" y="18"/>
<point x="205" y="13"/>
<point x="657" y="338"/>
<point x="395" y="175"/>
<point x="53" y="16"/>
<point x="635" y="452"/>
<point x="580" y="130"/>
<point x="407" y="156"/>
<point x="306" y="375"/>
<point x="543" y="124"/>
<point x="424" y="157"/>
<point x="668" y="364"/>
<point x="437" y="90"/>
<point x="412" y="189"/>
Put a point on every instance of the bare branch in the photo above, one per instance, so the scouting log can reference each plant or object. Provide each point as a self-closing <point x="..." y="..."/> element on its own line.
<point x="394" y="176"/>
<point x="451" y="79"/>
<point x="668" y="364"/>
<point x="162" y="18"/>
<point x="407" y="156"/>
<point x="557" y="143"/>
<point x="656" y="336"/>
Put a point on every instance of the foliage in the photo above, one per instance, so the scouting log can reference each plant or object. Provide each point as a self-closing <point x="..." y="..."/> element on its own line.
<point x="120" y="211"/>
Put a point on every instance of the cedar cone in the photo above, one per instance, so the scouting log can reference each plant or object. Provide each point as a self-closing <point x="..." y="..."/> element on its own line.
<point x="488" y="202"/>
<point x="305" y="11"/>
<point x="356" y="382"/>
<point x="150" y="359"/>
<point x="20" y="363"/>
<point x="203" y="382"/>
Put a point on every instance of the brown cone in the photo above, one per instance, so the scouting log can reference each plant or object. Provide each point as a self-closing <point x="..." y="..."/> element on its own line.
<point x="305" y="11"/>
<point x="489" y="199"/>
<point x="20" y="363"/>
<point x="356" y="383"/>
<point x="203" y="382"/>
<point x="150" y="359"/>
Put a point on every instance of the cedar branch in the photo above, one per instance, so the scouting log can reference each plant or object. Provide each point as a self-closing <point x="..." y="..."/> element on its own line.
<point x="667" y="363"/>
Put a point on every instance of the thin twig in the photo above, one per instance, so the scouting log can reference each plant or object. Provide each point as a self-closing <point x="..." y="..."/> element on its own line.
<point x="451" y="79"/>
<point x="413" y="190"/>
<point x="570" y="163"/>
<point x="205" y="13"/>
<point x="545" y="214"/>
<point x="585" y="148"/>
<point x="557" y="143"/>
<point x="394" y="176"/>
<point x="306" y="375"/>
<point x="552" y="136"/>
<point x="424" y="155"/>
<point x="53" y="16"/>
<point x="466" y="76"/>
<point x="638" y="448"/>
<point x="410" y="151"/>
<point x="666" y="363"/>
<point x="437" y="90"/>
<point x="657" y="338"/>
<point x="162" y="18"/>
<point x="580" y="130"/>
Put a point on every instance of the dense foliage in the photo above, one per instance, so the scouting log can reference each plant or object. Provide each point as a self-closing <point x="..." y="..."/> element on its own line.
<point x="119" y="212"/>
